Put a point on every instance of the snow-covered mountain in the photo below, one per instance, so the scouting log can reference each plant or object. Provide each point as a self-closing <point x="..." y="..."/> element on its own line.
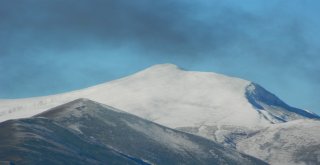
<point x="86" y="132"/>
<point x="225" y="109"/>
<point x="163" y="92"/>
<point x="207" y="104"/>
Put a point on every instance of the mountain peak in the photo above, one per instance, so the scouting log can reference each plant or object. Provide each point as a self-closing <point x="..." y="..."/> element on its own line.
<point x="82" y="100"/>
<point x="78" y="107"/>
<point x="165" y="66"/>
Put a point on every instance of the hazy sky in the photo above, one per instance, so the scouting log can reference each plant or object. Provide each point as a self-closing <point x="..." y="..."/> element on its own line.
<point x="53" y="46"/>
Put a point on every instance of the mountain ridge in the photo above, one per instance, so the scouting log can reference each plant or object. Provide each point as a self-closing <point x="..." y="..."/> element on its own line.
<point x="82" y="131"/>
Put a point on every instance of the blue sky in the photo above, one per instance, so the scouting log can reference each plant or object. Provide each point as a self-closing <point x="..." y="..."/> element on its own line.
<point x="49" y="47"/>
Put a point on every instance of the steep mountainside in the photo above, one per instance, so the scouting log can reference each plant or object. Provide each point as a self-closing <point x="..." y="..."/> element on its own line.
<point x="86" y="132"/>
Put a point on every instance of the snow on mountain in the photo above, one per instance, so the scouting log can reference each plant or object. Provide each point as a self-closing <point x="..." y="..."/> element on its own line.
<point x="86" y="132"/>
<point x="225" y="109"/>
<point x="294" y="142"/>
<point x="175" y="98"/>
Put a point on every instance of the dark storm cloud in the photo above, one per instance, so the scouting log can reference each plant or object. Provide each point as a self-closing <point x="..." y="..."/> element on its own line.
<point x="167" y="27"/>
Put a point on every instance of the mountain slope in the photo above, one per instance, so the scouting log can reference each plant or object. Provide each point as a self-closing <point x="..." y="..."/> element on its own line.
<point x="294" y="142"/>
<point x="272" y="107"/>
<point x="83" y="130"/>
<point x="40" y="141"/>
